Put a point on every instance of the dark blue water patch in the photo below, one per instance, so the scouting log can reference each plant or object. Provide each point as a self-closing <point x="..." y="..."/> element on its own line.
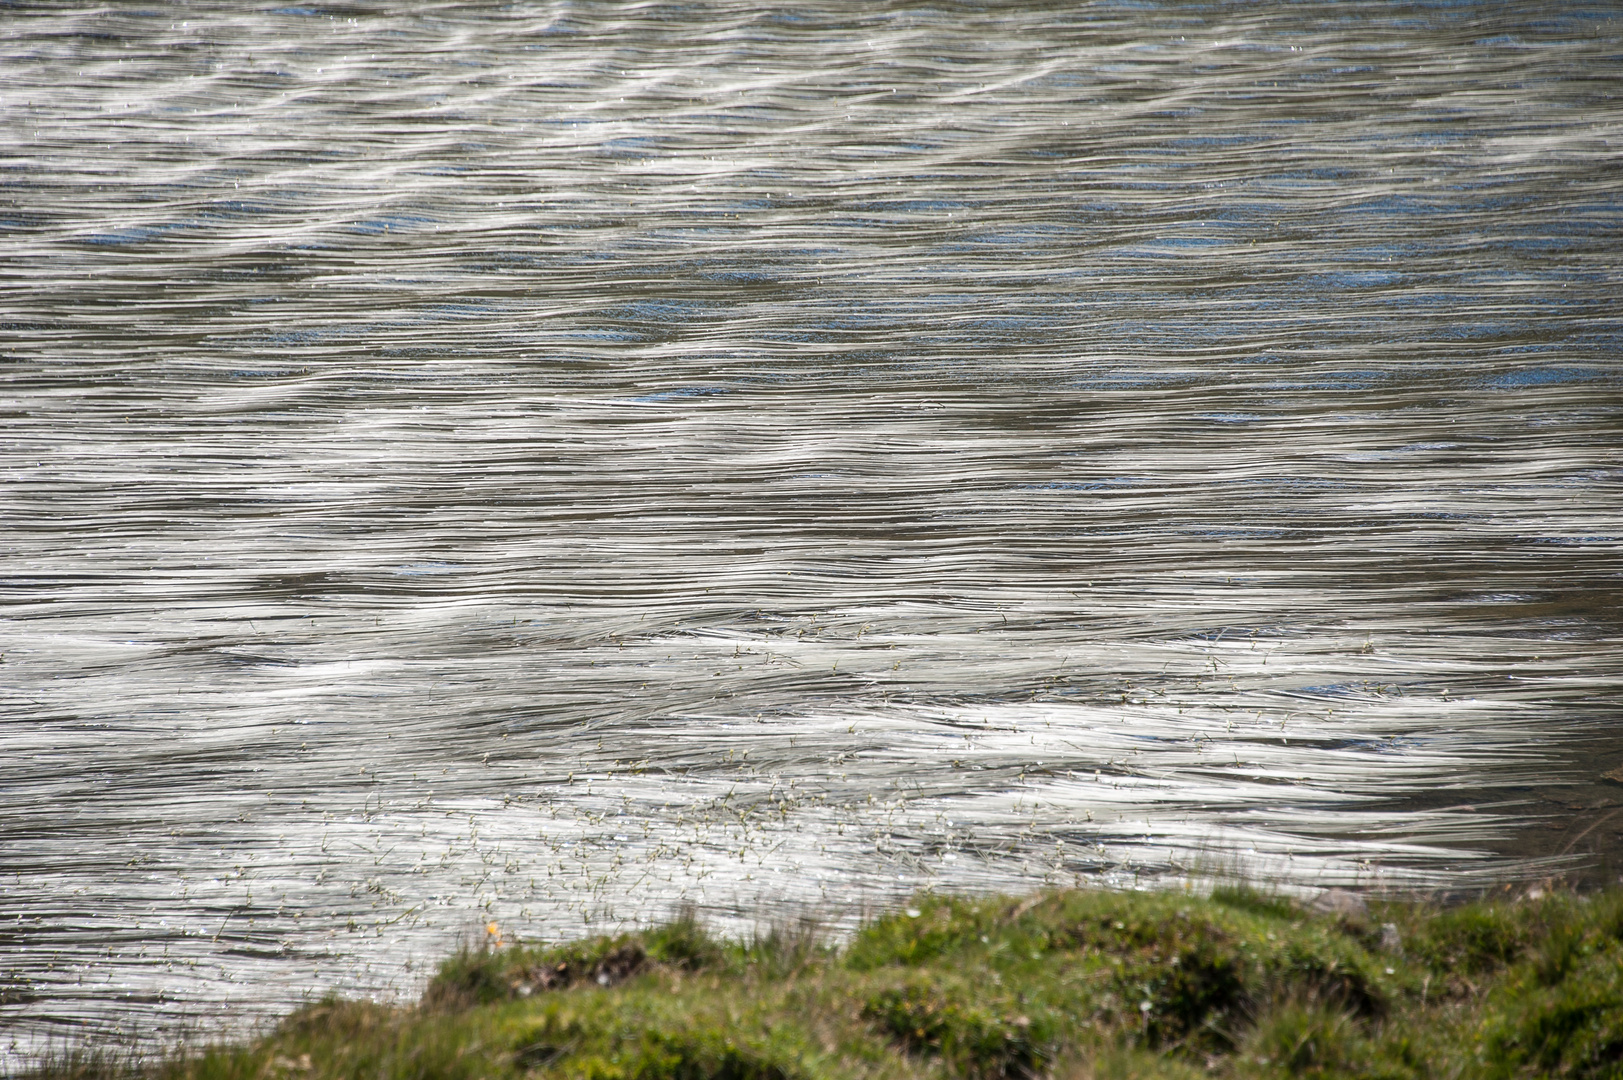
<point x="229" y="209"/>
<point x="1123" y="380"/>
<point x="654" y="238"/>
<point x="428" y="569"/>
<point x="1168" y="250"/>
<point x="505" y="260"/>
<point x="1332" y="380"/>
<point x="1570" y="541"/>
<point x="134" y="234"/>
<point x="1240" y="534"/>
<point x="1551" y="244"/>
<point x="466" y="309"/>
<point x="1478" y="331"/>
<point x="852" y="222"/>
<point x="1329" y="690"/>
<point x="1002" y="324"/>
<point x="1609" y="340"/>
<point x="1348" y="279"/>
<point x="389" y="223"/>
<point x="1109" y="483"/>
<point x="684" y="392"/>
<point x="1548" y="376"/>
<point x="663" y="311"/>
<point x="304" y="11"/>
<point x="917" y="205"/>
<point x="596" y="335"/>
<point x="738" y="276"/>
<point x="312" y="336"/>
<point x="1125" y="184"/>
<point x="982" y="340"/>
<point x="1206" y="142"/>
<point x="414" y="352"/>
<point x="1399" y="205"/>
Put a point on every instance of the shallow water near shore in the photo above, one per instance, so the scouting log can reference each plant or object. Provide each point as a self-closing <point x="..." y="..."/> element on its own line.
<point x="547" y="465"/>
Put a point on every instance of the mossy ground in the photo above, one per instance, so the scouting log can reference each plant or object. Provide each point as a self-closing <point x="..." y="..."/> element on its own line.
<point x="1073" y="985"/>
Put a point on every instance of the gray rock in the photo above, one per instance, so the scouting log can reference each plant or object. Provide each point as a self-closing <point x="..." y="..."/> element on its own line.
<point x="1340" y="902"/>
<point x="1391" y="940"/>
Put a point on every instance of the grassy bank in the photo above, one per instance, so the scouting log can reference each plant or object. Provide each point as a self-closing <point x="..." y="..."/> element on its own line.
<point x="1072" y="985"/>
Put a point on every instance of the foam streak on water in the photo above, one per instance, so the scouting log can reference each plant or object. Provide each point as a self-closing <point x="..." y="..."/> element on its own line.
<point x="553" y="463"/>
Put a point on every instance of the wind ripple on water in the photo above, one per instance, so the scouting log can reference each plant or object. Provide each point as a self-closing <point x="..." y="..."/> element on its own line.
<point x="552" y="463"/>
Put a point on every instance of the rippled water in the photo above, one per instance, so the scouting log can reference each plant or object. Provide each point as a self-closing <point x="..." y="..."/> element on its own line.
<point x="547" y="464"/>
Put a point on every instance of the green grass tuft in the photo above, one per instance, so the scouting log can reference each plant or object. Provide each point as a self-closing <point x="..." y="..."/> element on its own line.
<point x="1244" y="897"/>
<point x="1072" y="985"/>
<point x="976" y="1035"/>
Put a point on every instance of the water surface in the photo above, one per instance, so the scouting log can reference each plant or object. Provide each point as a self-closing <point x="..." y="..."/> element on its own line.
<point x="550" y="464"/>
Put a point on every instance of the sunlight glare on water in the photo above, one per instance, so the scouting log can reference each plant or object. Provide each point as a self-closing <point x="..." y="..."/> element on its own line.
<point x="552" y="464"/>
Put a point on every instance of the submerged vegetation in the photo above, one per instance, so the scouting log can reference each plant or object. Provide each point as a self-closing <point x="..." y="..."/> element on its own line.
<point x="1074" y="985"/>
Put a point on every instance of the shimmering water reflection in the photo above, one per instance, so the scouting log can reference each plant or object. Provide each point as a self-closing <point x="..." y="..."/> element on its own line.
<point x="552" y="463"/>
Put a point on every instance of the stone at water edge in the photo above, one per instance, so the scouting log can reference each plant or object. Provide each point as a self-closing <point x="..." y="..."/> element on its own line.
<point x="1340" y="902"/>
